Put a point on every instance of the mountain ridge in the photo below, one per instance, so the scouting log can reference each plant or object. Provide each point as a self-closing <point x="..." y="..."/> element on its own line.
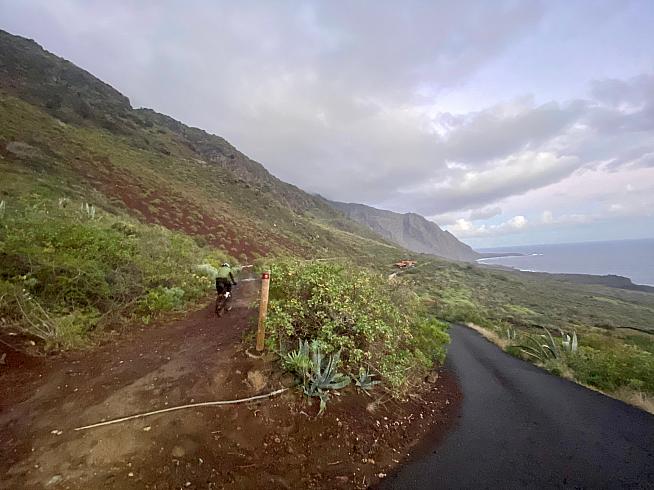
<point x="409" y="230"/>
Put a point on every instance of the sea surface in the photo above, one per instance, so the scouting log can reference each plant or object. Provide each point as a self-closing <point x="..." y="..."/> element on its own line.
<point x="629" y="258"/>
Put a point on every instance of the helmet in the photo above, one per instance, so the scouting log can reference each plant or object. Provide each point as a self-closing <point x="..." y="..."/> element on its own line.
<point x="225" y="265"/>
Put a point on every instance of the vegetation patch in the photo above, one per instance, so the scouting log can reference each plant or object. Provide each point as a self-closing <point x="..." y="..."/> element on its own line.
<point x="354" y="320"/>
<point x="609" y="364"/>
<point x="69" y="269"/>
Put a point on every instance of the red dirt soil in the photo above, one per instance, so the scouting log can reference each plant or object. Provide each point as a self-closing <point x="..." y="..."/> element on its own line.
<point x="162" y="205"/>
<point x="274" y="443"/>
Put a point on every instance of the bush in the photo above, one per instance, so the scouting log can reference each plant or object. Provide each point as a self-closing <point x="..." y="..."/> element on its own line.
<point x="373" y="324"/>
<point x="162" y="299"/>
<point x="431" y="338"/>
<point x="65" y="272"/>
<point x="625" y="366"/>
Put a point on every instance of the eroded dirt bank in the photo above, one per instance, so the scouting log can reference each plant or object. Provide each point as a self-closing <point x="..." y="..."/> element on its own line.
<point x="276" y="443"/>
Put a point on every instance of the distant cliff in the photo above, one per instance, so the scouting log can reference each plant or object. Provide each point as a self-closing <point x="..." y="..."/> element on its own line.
<point x="409" y="230"/>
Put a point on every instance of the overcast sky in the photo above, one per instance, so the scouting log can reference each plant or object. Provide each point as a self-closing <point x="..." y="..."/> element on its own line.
<point x="507" y="122"/>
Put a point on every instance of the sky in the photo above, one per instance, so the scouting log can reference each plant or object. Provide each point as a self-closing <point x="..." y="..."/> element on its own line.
<point x="507" y="122"/>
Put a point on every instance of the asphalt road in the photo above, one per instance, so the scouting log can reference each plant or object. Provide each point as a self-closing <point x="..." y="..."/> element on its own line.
<point x="520" y="427"/>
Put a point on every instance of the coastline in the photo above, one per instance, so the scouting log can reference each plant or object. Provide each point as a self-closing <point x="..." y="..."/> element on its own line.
<point x="625" y="260"/>
<point x="609" y="280"/>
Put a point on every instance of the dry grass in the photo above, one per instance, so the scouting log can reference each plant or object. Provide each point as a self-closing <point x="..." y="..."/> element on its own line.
<point x="638" y="399"/>
<point x="489" y="335"/>
<point x="631" y="397"/>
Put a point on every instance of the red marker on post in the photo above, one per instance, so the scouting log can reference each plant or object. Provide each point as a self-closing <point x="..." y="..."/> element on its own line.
<point x="263" y="309"/>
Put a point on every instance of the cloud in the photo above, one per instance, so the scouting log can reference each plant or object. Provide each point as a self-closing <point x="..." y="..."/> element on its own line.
<point x="508" y="128"/>
<point x="485" y="213"/>
<point x="623" y="93"/>
<point x="513" y="175"/>
<point x="330" y="98"/>
<point x="477" y="214"/>
<point x="517" y="222"/>
<point x="466" y="229"/>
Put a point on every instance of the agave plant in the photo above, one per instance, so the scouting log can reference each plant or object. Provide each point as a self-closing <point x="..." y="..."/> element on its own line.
<point x="570" y="344"/>
<point x="298" y="361"/>
<point x="544" y="347"/>
<point x="324" y="376"/>
<point x="541" y="347"/>
<point x="318" y="373"/>
<point x="88" y="209"/>
<point x="2" y="208"/>
<point x="364" y="380"/>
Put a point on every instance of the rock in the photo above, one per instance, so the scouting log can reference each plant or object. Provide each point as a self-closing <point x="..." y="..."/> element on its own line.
<point x="54" y="480"/>
<point x="256" y="380"/>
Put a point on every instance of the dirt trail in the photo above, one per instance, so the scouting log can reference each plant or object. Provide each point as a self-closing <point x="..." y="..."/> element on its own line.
<point x="277" y="443"/>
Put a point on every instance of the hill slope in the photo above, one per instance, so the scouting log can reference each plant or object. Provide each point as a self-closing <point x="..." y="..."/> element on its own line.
<point x="409" y="230"/>
<point x="66" y="133"/>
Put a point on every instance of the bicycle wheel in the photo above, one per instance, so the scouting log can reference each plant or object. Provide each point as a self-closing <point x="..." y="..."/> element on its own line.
<point x="220" y="305"/>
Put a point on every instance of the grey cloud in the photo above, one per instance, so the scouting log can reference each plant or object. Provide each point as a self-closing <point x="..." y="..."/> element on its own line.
<point x="335" y="97"/>
<point x="491" y="134"/>
<point x="640" y="156"/>
<point x="450" y="218"/>
<point x="613" y="92"/>
<point x="513" y="176"/>
<point x="485" y="213"/>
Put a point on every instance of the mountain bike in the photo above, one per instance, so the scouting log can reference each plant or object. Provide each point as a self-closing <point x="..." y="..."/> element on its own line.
<point x="223" y="303"/>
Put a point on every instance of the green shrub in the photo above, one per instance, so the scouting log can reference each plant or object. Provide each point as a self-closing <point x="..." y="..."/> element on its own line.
<point x="355" y="312"/>
<point x="431" y="338"/>
<point x="611" y="369"/>
<point x="162" y="299"/>
<point x="71" y="329"/>
<point x="65" y="272"/>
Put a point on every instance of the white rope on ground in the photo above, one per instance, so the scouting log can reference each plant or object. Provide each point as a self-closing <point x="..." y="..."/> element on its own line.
<point x="181" y="407"/>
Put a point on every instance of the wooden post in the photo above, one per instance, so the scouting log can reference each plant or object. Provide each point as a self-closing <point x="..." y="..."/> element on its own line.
<point x="263" y="309"/>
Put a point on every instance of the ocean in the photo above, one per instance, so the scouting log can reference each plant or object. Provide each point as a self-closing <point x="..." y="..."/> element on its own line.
<point x="629" y="258"/>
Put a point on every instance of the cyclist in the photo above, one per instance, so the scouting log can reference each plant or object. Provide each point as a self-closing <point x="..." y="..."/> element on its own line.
<point x="225" y="279"/>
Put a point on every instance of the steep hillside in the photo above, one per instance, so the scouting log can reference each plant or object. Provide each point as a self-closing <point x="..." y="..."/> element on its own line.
<point x="409" y="230"/>
<point x="66" y="133"/>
